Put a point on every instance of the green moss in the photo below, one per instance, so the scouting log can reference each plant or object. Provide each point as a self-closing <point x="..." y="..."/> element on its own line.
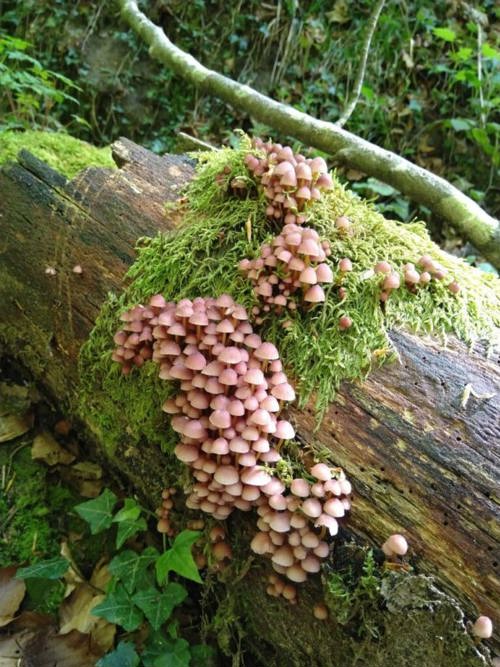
<point x="378" y="617"/>
<point x="60" y="151"/>
<point x="201" y="258"/>
<point x="25" y="508"/>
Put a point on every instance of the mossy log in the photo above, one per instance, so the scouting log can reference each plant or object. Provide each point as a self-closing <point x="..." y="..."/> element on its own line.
<point x="420" y="447"/>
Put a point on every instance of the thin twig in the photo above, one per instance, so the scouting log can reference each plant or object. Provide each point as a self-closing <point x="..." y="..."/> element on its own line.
<point x="358" y="83"/>
<point x="482" y="113"/>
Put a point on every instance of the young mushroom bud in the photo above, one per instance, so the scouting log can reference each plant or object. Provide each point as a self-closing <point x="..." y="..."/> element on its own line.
<point x="483" y="627"/>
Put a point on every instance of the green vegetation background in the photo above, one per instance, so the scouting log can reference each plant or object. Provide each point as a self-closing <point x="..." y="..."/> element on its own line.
<point x="422" y="95"/>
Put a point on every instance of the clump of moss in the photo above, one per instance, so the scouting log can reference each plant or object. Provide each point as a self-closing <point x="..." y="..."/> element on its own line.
<point x="59" y="150"/>
<point x="29" y="508"/>
<point x="200" y="258"/>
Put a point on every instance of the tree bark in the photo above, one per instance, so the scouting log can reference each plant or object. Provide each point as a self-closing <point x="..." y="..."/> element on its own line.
<point x="417" y="183"/>
<point x="421" y="462"/>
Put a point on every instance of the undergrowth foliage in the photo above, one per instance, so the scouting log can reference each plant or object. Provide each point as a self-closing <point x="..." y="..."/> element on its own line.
<point x="201" y="258"/>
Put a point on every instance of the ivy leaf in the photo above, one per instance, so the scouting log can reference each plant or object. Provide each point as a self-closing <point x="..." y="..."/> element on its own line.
<point x="179" y="558"/>
<point x="130" y="567"/>
<point x="158" y="606"/>
<point x="123" y="656"/>
<point x="129" y="512"/>
<point x="446" y="34"/>
<point x="44" y="569"/>
<point x="128" y="528"/>
<point x="98" y="512"/>
<point x="117" y="607"/>
<point x="177" y="654"/>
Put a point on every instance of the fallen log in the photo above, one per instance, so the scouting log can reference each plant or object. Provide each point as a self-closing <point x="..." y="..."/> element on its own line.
<point x="423" y="460"/>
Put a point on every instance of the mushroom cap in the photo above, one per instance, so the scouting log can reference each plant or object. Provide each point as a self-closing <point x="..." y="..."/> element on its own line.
<point x="261" y="544"/>
<point x="312" y="507"/>
<point x="324" y="273"/>
<point x="227" y="475"/>
<point x="392" y="281"/>
<point x="267" y="352"/>
<point x="186" y="453"/>
<point x="225" y="326"/>
<point x="321" y="471"/>
<point x="255" y="476"/>
<point x="194" y="429"/>
<point x="283" y="392"/>
<point x="300" y="488"/>
<point x="260" y="417"/>
<point x="220" y="446"/>
<point x="230" y="355"/>
<point x="157" y="301"/>
<point x="345" y="265"/>
<point x="308" y="276"/>
<point x="279" y="521"/>
<point x="395" y="545"/>
<point x="334" y="507"/>
<point x="329" y="522"/>
<point x="314" y="294"/>
<point x="483" y="627"/>
<point x="303" y="171"/>
<point x="311" y="564"/>
<point x="254" y="376"/>
<point x="228" y="377"/>
<point x="284" y="430"/>
<point x="382" y="267"/>
<point x="320" y="611"/>
<point x="283" y="556"/>
<point x="220" y="419"/>
<point x="324" y="182"/>
<point x="239" y="445"/>
<point x="196" y="361"/>
<point x="296" y="573"/>
<point x="277" y="502"/>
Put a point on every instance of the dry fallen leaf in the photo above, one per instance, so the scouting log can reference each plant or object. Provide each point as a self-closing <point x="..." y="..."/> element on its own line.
<point x="75" y="613"/>
<point x="47" y="449"/>
<point x="11" y="594"/>
<point x="13" y="426"/>
<point x="45" y="648"/>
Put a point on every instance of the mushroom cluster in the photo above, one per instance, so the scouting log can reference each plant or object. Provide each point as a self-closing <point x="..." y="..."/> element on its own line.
<point x="277" y="587"/>
<point x="293" y="523"/>
<point x="292" y="264"/>
<point x="413" y="279"/>
<point x="290" y="181"/>
<point x="163" y="512"/>
<point x="232" y="388"/>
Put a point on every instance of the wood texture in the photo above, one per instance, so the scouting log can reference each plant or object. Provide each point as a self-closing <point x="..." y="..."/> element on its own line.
<point x="420" y="462"/>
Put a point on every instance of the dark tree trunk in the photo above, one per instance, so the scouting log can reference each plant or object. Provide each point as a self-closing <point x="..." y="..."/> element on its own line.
<point x="420" y="462"/>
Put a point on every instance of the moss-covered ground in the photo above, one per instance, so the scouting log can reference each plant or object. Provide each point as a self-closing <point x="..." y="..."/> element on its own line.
<point x="201" y="258"/>
<point x="59" y="150"/>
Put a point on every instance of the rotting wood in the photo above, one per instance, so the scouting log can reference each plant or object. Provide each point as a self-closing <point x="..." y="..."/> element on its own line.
<point x="420" y="461"/>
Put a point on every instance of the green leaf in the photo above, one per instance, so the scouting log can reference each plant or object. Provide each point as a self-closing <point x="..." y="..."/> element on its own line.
<point x="117" y="607"/>
<point x="45" y="569"/>
<point x="129" y="512"/>
<point x="179" y="558"/>
<point x="446" y="34"/>
<point x="124" y="655"/>
<point x="158" y="605"/>
<point x="130" y="567"/>
<point x="489" y="52"/>
<point x="128" y="528"/>
<point x="460" y="124"/>
<point x="177" y="654"/>
<point x="374" y="185"/>
<point x="98" y="512"/>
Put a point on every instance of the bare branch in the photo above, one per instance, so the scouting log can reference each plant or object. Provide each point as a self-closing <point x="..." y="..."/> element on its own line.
<point x="416" y="183"/>
<point x="358" y="84"/>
